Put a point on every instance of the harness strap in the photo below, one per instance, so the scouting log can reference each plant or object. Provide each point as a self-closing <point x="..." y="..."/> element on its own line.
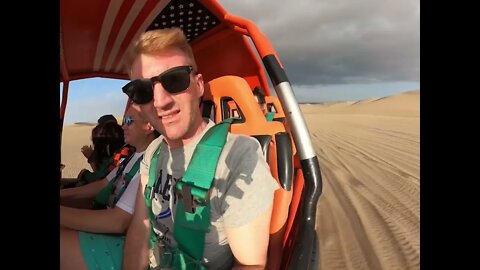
<point x="125" y="152"/>
<point x="269" y="116"/>
<point x="148" y="193"/>
<point x="192" y="222"/>
<point x="102" y="198"/>
<point x="192" y="216"/>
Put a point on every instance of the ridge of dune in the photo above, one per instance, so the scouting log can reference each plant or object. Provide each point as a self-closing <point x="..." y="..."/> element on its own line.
<point x="406" y="104"/>
<point x="84" y="124"/>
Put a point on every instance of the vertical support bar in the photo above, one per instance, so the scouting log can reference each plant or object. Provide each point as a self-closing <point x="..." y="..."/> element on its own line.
<point x="64" y="102"/>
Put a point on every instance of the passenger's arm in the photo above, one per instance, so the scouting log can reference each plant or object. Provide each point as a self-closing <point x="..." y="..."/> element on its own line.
<point x="247" y="217"/>
<point x="87" y="191"/>
<point x="93" y="166"/>
<point x="136" y="250"/>
<point x="113" y="220"/>
<point x="87" y="151"/>
<point x="249" y="243"/>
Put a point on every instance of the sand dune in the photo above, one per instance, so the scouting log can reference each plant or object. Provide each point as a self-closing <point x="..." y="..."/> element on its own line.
<point x="73" y="138"/>
<point x="403" y="105"/>
<point x="368" y="216"/>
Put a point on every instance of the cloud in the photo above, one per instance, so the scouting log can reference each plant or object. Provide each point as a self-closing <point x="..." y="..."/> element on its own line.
<point x="331" y="50"/>
<point x="340" y="41"/>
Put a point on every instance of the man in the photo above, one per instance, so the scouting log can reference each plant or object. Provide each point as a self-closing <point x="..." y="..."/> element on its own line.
<point x="168" y="88"/>
<point x="260" y="97"/>
<point x="91" y="239"/>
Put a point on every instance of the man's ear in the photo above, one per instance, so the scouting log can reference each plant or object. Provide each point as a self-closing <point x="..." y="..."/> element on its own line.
<point x="200" y="85"/>
<point x="150" y="127"/>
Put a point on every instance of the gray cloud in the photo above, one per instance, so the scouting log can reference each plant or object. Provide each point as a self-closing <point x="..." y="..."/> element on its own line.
<point x="340" y="41"/>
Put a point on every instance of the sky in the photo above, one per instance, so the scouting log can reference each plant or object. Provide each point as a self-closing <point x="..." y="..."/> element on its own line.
<point x="332" y="50"/>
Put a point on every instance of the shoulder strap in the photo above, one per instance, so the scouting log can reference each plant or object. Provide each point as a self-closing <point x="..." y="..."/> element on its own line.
<point x="128" y="177"/>
<point x="134" y="169"/>
<point x="191" y="224"/>
<point x="102" y="198"/>
<point x="124" y="152"/>
<point x="202" y="166"/>
<point x="148" y="192"/>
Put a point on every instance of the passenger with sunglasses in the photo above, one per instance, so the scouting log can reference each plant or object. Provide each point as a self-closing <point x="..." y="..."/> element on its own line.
<point x="167" y="86"/>
<point x="93" y="238"/>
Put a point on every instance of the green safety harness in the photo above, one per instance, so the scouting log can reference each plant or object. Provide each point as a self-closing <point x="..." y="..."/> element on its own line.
<point x="192" y="217"/>
<point x="102" y="199"/>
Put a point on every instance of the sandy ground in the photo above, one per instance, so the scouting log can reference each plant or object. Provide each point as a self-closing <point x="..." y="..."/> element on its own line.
<point x="73" y="138"/>
<point x="368" y="216"/>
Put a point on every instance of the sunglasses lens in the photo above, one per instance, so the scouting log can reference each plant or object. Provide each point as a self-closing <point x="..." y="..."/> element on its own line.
<point x="127" y="120"/>
<point x="139" y="91"/>
<point x="176" y="81"/>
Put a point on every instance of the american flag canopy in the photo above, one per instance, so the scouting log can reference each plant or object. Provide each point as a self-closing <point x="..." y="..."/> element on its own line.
<point x="96" y="34"/>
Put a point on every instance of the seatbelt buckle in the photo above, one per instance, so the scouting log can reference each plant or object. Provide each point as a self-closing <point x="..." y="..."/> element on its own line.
<point x="148" y="191"/>
<point x="167" y="258"/>
<point x="190" y="202"/>
<point x="187" y="199"/>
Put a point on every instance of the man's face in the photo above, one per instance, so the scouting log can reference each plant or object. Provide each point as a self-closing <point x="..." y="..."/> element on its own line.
<point x="175" y="116"/>
<point x="263" y="106"/>
<point x="134" y="127"/>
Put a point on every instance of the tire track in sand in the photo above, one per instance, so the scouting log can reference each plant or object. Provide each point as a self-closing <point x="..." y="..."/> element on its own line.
<point x="368" y="215"/>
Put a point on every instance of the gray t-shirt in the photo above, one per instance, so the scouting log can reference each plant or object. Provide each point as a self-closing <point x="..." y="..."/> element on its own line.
<point x="243" y="188"/>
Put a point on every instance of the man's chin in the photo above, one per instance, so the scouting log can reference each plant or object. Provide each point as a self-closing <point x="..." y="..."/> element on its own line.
<point x="172" y="135"/>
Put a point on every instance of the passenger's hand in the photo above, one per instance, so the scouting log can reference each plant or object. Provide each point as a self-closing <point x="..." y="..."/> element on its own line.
<point x="87" y="150"/>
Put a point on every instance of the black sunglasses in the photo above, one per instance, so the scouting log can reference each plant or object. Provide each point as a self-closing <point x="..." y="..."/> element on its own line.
<point x="174" y="80"/>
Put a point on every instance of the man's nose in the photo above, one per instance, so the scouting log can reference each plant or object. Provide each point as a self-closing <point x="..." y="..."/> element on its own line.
<point x="161" y="97"/>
